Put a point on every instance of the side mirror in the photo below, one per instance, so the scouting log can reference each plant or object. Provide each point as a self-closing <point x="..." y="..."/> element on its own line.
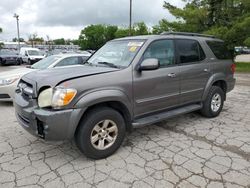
<point x="149" y="64"/>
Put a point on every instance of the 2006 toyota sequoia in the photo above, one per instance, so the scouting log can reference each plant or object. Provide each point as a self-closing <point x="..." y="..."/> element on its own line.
<point x="129" y="82"/>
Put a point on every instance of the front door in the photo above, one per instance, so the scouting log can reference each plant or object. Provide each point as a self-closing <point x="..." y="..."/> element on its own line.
<point x="156" y="90"/>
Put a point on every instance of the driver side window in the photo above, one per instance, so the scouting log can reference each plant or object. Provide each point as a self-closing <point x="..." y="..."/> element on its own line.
<point x="163" y="50"/>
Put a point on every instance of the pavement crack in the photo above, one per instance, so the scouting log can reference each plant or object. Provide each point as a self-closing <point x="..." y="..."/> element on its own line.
<point x="232" y="149"/>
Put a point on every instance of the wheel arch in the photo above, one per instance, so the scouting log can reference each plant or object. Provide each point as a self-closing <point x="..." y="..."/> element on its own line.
<point x="114" y="99"/>
<point x="216" y="80"/>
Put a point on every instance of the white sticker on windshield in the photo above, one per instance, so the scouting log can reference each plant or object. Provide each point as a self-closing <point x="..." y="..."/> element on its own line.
<point x="135" y="44"/>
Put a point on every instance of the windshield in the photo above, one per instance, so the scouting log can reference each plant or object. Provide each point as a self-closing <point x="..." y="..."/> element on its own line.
<point x="45" y="63"/>
<point x="116" y="53"/>
<point x="34" y="52"/>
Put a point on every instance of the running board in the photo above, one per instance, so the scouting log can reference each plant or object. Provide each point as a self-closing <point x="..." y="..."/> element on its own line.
<point x="165" y="115"/>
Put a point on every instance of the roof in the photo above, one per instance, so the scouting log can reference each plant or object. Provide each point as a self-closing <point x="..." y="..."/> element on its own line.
<point x="170" y="35"/>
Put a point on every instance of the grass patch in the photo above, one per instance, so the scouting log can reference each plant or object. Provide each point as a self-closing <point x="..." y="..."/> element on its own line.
<point x="242" y="67"/>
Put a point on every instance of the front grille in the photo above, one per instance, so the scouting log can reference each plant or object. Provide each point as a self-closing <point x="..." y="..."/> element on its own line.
<point x="25" y="83"/>
<point x="4" y="96"/>
<point x="25" y="88"/>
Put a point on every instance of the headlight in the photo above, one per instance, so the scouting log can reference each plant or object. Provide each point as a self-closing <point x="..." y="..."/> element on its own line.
<point x="8" y="81"/>
<point x="56" y="98"/>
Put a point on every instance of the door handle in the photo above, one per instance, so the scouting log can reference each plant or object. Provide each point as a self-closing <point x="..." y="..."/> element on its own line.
<point x="172" y="75"/>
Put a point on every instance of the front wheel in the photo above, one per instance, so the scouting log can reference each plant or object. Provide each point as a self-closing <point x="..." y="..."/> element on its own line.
<point x="214" y="102"/>
<point x="100" y="133"/>
<point x="2" y="62"/>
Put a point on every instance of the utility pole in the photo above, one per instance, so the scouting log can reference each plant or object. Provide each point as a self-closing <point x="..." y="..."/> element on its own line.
<point x="130" y="17"/>
<point x="18" y="36"/>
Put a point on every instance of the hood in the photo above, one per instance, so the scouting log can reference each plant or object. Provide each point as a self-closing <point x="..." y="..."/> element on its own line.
<point x="15" y="72"/>
<point x="52" y="77"/>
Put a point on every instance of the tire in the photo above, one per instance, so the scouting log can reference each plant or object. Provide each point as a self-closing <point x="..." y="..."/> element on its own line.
<point x="216" y="96"/>
<point x="88" y="128"/>
<point x="29" y="62"/>
<point x="2" y="62"/>
<point x="19" y="61"/>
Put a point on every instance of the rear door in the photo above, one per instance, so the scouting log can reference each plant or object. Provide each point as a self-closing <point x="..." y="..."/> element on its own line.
<point x="157" y="89"/>
<point x="194" y="70"/>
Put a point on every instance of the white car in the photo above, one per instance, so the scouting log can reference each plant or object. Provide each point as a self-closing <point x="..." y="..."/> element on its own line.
<point x="10" y="79"/>
<point x="30" y="55"/>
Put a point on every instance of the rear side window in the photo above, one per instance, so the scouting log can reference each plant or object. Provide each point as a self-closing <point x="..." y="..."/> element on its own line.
<point x="219" y="49"/>
<point x="189" y="51"/>
<point x="68" y="61"/>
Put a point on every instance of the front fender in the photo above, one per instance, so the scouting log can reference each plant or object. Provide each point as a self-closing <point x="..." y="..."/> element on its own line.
<point x="100" y="96"/>
<point x="211" y="81"/>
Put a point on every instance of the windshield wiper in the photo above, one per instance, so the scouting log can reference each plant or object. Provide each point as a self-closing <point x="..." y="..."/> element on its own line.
<point x="108" y="64"/>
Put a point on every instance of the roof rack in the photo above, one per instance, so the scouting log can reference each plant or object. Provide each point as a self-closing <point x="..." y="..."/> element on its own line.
<point x="187" y="34"/>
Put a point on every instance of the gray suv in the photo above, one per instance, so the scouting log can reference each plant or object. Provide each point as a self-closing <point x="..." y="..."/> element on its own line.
<point x="130" y="82"/>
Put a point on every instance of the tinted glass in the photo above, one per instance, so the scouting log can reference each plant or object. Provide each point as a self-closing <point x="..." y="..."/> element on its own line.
<point x="189" y="51"/>
<point x="68" y="61"/>
<point x="163" y="50"/>
<point x="219" y="49"/>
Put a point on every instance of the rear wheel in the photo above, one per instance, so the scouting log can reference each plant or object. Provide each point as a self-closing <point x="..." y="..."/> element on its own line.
<point x="100" y="133"/>
<point x="214" y="102"/>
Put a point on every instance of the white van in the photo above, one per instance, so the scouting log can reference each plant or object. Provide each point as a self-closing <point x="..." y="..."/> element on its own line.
<point x="30" y="55"/>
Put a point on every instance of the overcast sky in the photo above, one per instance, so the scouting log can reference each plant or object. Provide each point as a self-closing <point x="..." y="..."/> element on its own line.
<point x="66" y="18"/>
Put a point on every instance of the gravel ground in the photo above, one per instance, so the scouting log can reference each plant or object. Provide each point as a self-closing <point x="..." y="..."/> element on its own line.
<point x="186" y="151"/>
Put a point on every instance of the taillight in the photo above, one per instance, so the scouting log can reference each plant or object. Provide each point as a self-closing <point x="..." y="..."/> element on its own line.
<point x="233" y="67"/>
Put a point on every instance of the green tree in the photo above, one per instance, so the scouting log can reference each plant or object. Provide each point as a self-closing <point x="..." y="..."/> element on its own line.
<point x="226" y="19"/>
<point x="140" y="28"/>
<point x="60" y="41"/>
<point x="247" y="42"/>
<point x="34" y="39"/>
<point x="95" y="36"/>
<point x="192" y="18"/>
<point x="122" y="32"/>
